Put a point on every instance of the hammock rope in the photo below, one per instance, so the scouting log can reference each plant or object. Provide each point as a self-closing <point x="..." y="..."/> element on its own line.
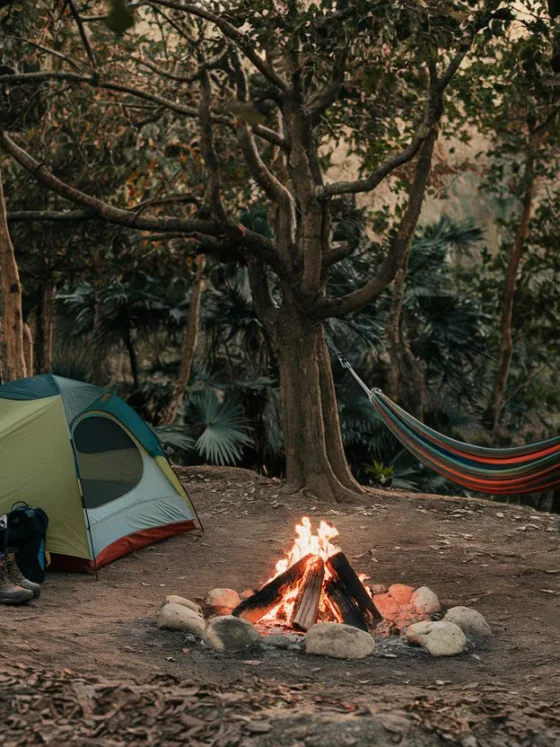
<point x="523" y="469"/>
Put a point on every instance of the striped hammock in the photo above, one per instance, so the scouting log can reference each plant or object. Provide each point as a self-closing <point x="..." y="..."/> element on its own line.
<point x="525" y="469"/>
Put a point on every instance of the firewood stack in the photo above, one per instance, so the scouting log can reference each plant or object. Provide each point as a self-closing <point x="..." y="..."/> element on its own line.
<point x="328" y="590"/>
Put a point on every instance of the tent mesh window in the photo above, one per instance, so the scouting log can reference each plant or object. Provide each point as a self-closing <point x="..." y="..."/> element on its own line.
<point x="109" y="461"/>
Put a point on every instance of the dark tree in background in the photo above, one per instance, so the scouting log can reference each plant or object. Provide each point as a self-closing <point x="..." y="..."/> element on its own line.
<point x="264" y="91"/>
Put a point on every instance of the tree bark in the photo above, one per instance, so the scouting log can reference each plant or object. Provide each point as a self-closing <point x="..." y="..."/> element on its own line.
<point x="15" y="367"/>
<point x="314" y="455"/>
<point x="188" y="347"/>
<point x="333" y="434"/>
<point x="45" y="328"/>
<point x="28" y="349"/>
<point x="405" y="381"/>
<point x="99" y="364"/>
<point x="129" y="344"/>
<point x="510" y="284"/>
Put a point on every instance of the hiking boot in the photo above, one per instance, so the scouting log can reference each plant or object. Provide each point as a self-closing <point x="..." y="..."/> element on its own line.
<point x="11" y="593"/>
<point x="17" y="577"/>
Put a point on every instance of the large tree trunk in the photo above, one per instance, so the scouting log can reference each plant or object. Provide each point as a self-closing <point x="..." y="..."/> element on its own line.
<point x="314" y="455"/>
<point x="15" y="367"/>
<point x="333" y="435"/>
<point x="189" y="345"/>
<point x="510" y="284"/>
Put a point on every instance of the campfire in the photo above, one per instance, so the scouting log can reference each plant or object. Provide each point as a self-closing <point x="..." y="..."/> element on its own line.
<point x="316" y="592"/>
<point x="315" y="582"/>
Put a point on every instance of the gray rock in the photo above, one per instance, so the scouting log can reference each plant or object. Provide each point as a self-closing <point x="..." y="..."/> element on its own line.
<point x="222" y="600"/>
<point x="426" y="600"/>
<point x="179" y="617"/>
<point x="289" y="640"/>
<point x="439" y="638"/>
<point x="174" y="599"/>
<point x="339" y="641"/>
<point x="276" y="641"/>
<point x="230" y="633"/>
<point x="470" y="621"/>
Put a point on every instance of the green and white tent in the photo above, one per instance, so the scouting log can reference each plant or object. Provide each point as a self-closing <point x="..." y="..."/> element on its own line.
<point x="89" y="460"/>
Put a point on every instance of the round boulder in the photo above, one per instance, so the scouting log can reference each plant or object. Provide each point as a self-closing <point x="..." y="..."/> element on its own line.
<point x="339" y="641"/>
<point x="439" y="638"/>
<point x="230" y="633"/>
<point x="470" y="621"/>
<point x="222" y="601"/>
<point x="387" y="606"/>
<point x="401" y="593"/>
<point x="426" y="600"/>
<point x="179" y="617"/>
<point x="174" y="599"/>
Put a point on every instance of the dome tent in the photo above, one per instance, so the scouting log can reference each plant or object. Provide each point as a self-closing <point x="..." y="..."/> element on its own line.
<point x="91" y="462"/>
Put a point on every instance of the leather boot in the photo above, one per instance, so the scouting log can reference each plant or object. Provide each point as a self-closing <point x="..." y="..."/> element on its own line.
<point x="11" y="593"/>
<point x="17" y="577"/>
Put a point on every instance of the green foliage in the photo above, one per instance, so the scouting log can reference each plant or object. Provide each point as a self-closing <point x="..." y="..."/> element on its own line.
<point x="175" y="438"/>
<point x="123" y="290"/>
<point x="381" y="474"/>
<point x="73" y="362"/>
<point x="215" y="430"/>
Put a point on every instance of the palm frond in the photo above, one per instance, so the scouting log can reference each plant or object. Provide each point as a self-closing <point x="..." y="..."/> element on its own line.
<point x="175" y="437"/>
<point x="224" y="429"/>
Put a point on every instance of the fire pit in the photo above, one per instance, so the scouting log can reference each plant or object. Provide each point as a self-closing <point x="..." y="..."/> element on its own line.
<point x="316" y="597"/>
<point x="315" y="582"/>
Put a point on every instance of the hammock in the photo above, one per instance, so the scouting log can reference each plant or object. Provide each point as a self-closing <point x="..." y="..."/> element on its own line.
<point x="524" y="469"/>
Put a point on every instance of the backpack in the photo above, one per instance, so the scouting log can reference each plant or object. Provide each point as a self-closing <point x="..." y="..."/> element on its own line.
<point x="27" y="531"/>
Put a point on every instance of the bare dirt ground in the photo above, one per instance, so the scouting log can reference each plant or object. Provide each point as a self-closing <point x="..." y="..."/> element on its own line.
<point x="69" y="661"/>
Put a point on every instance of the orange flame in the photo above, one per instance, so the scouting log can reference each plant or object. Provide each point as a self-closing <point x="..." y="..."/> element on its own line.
<point x="305" y="543"/>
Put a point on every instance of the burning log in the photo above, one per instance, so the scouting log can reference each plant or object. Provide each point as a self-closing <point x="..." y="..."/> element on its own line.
<point x="307" y="603"/>
<point x="342" y="606"/>
<point x="271" y="594"/>
<point x="342" y="571"/>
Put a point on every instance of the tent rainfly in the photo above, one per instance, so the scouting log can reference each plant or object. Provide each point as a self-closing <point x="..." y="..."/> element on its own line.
<point x="84" y="456"/>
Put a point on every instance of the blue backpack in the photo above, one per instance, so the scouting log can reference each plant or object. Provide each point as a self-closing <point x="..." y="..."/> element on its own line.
<point x="27" y="533"/>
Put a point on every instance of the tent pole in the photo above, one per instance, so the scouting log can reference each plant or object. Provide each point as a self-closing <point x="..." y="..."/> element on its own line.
<point x="91" y="541"/>
<point x="190" y="499"/>
<point x="197" y="516"/>
<point x="92" y="547"/>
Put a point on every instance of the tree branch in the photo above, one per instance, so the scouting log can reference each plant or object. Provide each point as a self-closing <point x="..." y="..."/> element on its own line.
<point x="96" y="82"/>
<point x="319" y="103"/>
<point x="66" y="216"/>
<point x="255" y="244"/>
<point x="211" y="64"/>
<point x="26" y="78"/>
<point x="271" y="186"/>
<point x="337" y="253"/>
<point x="208" y="150"/>
<point x="245" y="44"/>
<point x="165" y="73"/>
<point x="433" y="112"/>
<point x="81" y="29"/>
<point x="266" y="309"/>
<point x="171" y="199"/>
<point x="389" y="268"/>
<point x="271" y="136"/>
<point x="48" y="50"/>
